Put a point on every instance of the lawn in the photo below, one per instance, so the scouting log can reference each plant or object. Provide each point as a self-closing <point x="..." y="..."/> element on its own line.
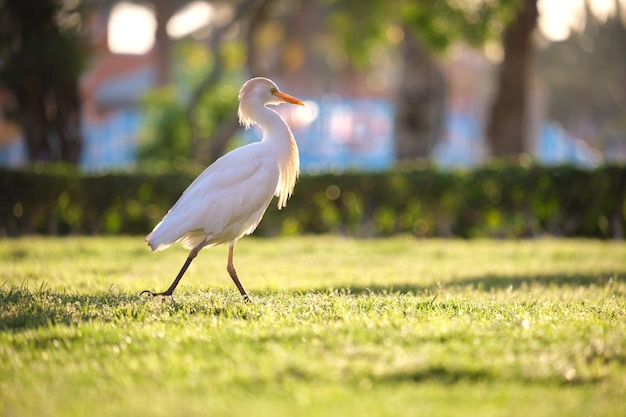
<point x="337" y="327"/>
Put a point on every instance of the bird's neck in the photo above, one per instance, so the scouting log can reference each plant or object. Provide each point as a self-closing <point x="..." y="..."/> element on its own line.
<point x="275" y="130"/>
<point x="278" y="136"/>
<point x="273" y="126"/>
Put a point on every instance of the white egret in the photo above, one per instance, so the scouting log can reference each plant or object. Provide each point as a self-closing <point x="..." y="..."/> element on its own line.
<point x="228" y="199"/>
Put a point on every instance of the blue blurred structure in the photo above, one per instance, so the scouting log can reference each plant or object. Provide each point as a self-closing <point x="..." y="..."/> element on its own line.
<point x="13" y="153"/>
<point x="556" y="146"/>
<point x="462" y="144"/>
<point x="108" y="144"/>
<point x="112" y="143"/>
<point x="348" y="135"/>
<point x="111" y="138"/>
<point x="334" y="134"/>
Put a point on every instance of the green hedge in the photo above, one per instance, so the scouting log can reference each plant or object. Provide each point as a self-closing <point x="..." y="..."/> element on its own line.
<point x="493" y="201"/>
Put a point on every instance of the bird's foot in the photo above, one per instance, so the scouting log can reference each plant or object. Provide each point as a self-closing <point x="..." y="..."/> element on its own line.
<point x="155" y="294"/>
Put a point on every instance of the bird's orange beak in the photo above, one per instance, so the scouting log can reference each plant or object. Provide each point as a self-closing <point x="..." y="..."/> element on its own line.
<point x="287" y="98"/>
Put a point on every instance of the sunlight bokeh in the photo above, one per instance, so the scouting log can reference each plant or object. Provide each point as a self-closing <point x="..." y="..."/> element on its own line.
<point x="132" y="26"/>
<point x="558" y="19"/>
<point x="189" y="19"/>
<point x="131" y="29"/>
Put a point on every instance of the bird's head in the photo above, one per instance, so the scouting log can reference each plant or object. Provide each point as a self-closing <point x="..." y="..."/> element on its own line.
<point x="259" y="92"/>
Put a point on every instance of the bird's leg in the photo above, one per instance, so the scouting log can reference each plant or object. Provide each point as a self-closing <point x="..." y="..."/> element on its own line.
<point x="170" y="290"/>
<point x="233" y="274"/>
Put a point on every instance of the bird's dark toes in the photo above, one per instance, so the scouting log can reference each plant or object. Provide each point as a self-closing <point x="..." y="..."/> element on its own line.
<point x="154" y="294"/>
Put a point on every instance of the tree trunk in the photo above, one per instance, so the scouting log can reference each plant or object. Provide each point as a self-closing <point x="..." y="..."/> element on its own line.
<point x="420" y="101"/>
<point x="42" y="72"/>
<point x="50" y="117"/>
<point x="164" y="10"/>
<point x="507" y="128"/>
<point x="254" y="62"/>
<point x="67" y="121"/>
<point x="29" y="97"/>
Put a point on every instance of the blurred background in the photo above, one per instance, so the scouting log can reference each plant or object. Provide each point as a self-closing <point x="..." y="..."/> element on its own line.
<point x="112" y="84"/>
<point x="127" y="86"/>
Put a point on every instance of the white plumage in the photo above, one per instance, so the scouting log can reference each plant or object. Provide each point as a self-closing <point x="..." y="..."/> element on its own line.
<point x="228" y="199"/>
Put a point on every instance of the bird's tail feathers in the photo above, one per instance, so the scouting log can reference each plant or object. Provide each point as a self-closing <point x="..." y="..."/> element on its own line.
<point x="155" y="245"/>
<point x="157" y="239"/>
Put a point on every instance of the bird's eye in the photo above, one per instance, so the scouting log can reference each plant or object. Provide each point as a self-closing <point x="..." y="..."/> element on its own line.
<point x="273" y="90"/>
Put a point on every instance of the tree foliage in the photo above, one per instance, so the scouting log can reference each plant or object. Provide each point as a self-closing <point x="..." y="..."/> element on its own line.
<point x="167" y="133"/>
<point x="42" y="55"/>
<point x="437" y="24"/>
<point x="507" y="128"/>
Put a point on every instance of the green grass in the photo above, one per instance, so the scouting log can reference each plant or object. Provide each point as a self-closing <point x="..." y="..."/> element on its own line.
<point x="337" y="327"/>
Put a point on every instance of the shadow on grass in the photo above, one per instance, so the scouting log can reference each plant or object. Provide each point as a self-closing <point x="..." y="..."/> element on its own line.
<point x="25" y="308"/>
<point x="22" y="307"/>
<point x="453" y="375"/>
<point x="498" y="283"/>
<point x="439" y="374"/>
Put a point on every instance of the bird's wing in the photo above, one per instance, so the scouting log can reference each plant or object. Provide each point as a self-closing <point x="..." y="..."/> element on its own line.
<point x="223" y="202"/>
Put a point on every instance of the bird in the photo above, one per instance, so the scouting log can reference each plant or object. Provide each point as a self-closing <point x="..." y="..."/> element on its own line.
<point x="229" y="198"/>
